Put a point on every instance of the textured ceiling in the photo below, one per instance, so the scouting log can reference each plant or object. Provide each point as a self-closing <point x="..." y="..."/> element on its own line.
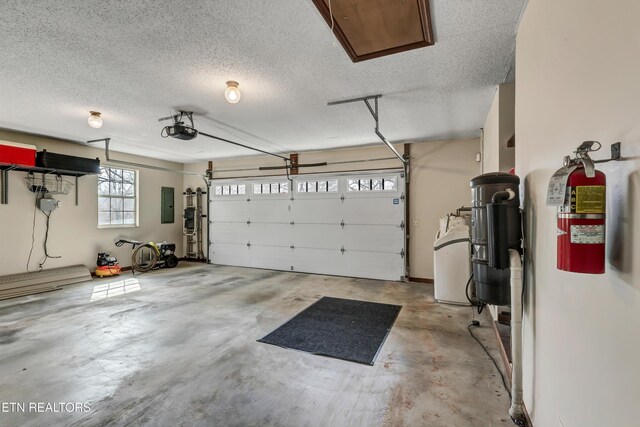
<point x="137" y="60"/>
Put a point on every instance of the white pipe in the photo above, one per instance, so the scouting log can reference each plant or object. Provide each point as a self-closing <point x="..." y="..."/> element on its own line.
<point x="516" y="411"/>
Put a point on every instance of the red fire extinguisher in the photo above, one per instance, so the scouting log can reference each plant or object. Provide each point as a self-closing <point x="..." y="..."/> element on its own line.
<point x="581" y="213"/>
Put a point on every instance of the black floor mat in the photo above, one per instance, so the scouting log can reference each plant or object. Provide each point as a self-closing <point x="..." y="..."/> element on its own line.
<point x="341" y="328"/>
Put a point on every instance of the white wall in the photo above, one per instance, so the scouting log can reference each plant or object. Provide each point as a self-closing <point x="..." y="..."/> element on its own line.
<point x="440" y="174"/>
<point x="578" y="71"/>
<point x="491" y="136"/>
<point x="507" y="155"/>
<point x="498" y="128"/>
<point x="74" y="232"/>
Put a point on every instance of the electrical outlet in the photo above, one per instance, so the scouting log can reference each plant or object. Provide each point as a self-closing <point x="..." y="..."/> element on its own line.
<point x="415" y="223"/>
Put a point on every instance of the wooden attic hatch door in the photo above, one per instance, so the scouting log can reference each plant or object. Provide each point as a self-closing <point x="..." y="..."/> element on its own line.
<point x="370" y="29"/>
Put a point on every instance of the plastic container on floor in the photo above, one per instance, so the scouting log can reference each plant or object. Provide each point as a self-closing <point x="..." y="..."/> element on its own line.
<point x="452" y="265"/>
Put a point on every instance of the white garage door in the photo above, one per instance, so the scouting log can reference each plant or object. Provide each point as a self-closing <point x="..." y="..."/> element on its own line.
<point x="339" y="224"/>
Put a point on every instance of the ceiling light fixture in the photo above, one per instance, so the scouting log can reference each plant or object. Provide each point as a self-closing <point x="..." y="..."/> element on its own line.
<point x="94" y="120"/>
<point x="232" y="92"/>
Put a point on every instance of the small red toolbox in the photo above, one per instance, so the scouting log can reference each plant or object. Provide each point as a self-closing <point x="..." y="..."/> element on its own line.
<point x="17" y="154"/>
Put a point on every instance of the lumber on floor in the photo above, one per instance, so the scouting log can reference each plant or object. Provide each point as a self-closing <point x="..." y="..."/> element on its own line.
<point x="16" y="285"/>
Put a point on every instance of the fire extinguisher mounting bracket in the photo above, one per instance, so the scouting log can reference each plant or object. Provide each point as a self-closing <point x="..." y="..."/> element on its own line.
<point x="615" y="153"/>
<point x="587" y="146"/>
<point x="589" y="167"/>
<point x="582" y="156"/>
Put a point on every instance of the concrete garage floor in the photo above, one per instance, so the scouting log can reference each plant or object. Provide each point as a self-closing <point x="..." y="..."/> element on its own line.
<point x="179" y="348"/>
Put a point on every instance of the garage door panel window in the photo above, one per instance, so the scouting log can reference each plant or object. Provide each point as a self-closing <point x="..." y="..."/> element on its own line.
<point x="229" y="190"/>
<point x="117" y="198"/>
<point x="389" y="184"/>
<point x="271" y="188"/>
<point x="329" y="186"/>
<point x="371" y="184"/>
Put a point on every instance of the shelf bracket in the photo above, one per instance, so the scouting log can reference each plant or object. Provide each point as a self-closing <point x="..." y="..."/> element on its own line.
<point x="4" y="186"/>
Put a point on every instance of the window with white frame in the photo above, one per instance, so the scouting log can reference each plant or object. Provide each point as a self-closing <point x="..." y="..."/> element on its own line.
<point x="117" y="197"/>
<point x="271" y="188"/>
<point x="371" y="184"/>
<point x="229" y="189"/>
<point x="328" y="186"/>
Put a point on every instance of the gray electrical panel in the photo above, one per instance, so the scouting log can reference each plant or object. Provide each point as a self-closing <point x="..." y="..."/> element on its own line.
<point x="167" y="212"/>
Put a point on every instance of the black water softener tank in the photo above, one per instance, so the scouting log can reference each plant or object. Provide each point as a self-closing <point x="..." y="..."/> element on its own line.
<point x="492" y="285"/>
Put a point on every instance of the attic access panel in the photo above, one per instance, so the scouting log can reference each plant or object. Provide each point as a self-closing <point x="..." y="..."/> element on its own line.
<point x="370" y="29"/>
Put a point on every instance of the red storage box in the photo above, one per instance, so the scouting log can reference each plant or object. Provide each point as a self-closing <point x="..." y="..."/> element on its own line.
<point x="17" y="154"/>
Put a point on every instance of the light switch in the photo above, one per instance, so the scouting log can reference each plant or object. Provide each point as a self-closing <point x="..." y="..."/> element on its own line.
<point x="415" y="223"/>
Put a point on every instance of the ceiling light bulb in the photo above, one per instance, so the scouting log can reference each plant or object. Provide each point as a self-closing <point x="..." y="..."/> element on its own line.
<point x="94" y="120"/>
<point x="232" y="92"/>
